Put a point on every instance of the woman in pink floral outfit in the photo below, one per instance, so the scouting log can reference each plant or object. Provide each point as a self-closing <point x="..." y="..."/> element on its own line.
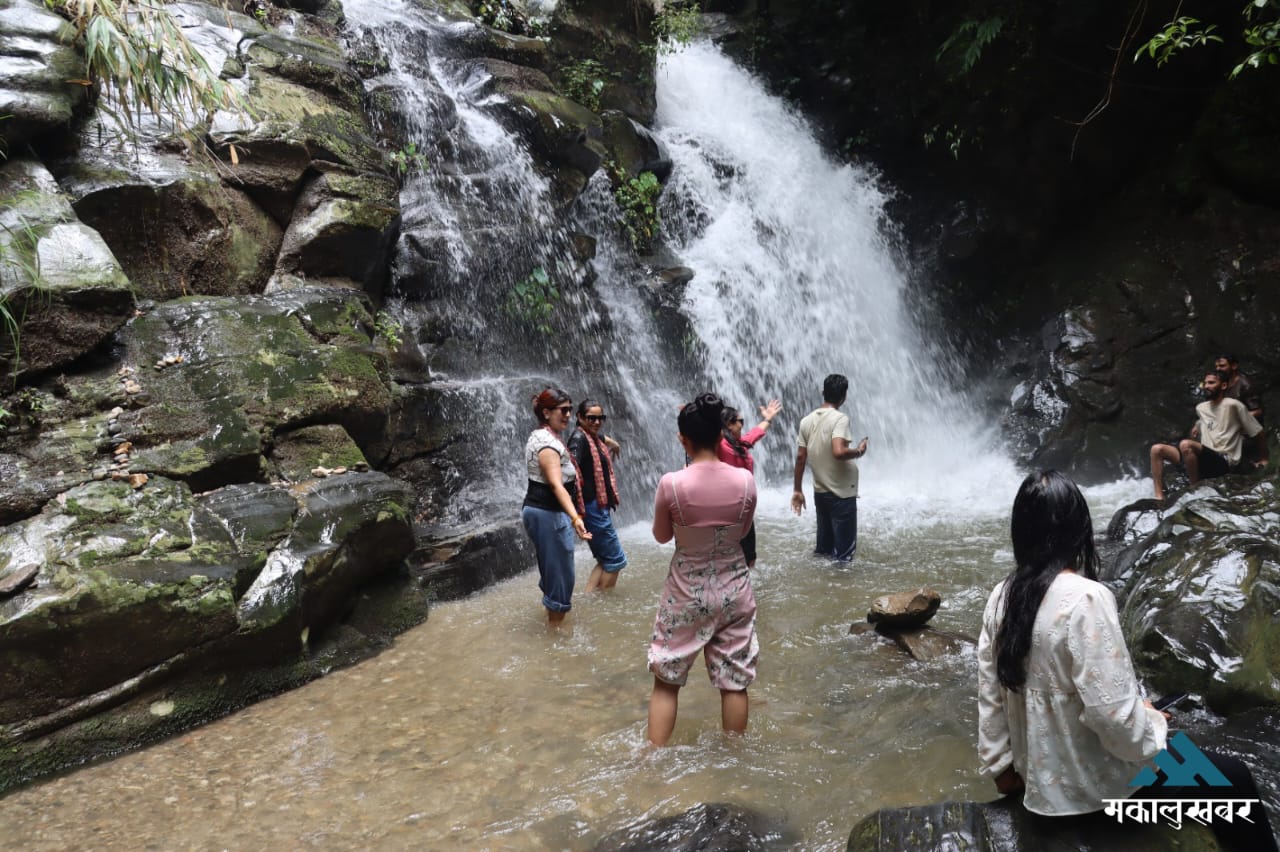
<point x="707" y="603"/>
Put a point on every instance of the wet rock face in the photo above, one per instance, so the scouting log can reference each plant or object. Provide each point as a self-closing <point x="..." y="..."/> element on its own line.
<point x="36" y="61"/>
<point x="1202" y="593"/>
<point x="57" y="275"/>
<point x="250" y="566"/>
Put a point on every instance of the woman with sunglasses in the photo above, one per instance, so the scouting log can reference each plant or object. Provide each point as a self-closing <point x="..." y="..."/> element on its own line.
<point x="595" y="455"/>
<point x="553" y="507"/>
<point x="735" y="449"/>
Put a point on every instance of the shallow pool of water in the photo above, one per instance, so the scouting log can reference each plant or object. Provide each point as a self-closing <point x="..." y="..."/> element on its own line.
<point x="482" y="730"/>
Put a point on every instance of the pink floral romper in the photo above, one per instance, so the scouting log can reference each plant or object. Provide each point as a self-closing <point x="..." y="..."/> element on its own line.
<point x="707" y="603"/>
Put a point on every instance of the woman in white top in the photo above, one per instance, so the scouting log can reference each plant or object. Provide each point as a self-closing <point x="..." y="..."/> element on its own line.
<point x="552" y="511"/>
<point x="1060" y="712"/>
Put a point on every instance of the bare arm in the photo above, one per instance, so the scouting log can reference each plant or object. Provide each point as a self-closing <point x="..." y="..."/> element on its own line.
<point x="662" y="529"/>
<point x="549" y="464"/>
<point x="841" y="449"/>
<point x="797" y="494"/>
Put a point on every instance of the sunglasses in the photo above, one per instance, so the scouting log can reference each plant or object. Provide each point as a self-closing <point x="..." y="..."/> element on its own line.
<point x="736" y="420"/>
<point x="596" y="418"/>
<point x="565" y="409"/>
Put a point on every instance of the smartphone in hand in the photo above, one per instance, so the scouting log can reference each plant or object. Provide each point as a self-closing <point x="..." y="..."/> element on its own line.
<point x="1167" y="702"/>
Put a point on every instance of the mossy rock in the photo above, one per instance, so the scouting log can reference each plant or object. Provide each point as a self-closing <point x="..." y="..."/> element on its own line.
<point x="296" y="454"/>
<point x="342" y="227"/>
<point x="59" y="280"/>
<point x="293" y="116"/>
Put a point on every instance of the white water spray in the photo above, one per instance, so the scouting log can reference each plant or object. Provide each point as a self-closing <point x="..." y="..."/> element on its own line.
<point x="797" y="277"/>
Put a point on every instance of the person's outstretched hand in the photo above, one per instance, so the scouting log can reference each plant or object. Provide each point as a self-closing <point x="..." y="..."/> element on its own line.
<point x="797" y="502"/>
<point x="615" y="449"/>
<point x="771" y="409"/>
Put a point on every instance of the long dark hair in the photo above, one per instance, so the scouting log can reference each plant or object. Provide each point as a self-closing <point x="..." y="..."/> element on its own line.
<point x="727" y="417"/>
<point x="701" y="421"/>
<point x="1051" y="530"/>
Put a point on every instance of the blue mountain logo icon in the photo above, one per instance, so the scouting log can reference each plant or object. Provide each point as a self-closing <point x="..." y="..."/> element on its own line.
<point x="1182" y="771"/>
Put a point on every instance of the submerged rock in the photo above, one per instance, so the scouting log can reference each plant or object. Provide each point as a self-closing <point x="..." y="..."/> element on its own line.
<point x="703" y="828"/>
<point x="1202" y="593"/>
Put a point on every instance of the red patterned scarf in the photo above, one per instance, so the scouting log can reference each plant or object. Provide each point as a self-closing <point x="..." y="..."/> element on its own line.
<point x="600" y="460"/>
<point x="582" y="507"/>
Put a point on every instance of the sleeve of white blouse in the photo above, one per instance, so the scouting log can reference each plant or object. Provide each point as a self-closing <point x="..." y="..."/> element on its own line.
<point x="993" y="725"/>
<point x="1103" y="676"/>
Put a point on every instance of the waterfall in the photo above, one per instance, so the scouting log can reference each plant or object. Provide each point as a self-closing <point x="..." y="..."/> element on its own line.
<point x="798" y="276"/>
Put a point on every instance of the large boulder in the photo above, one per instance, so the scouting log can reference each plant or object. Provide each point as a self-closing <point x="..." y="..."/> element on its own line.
<point x="1202" y="593"/>
<point x="38" y="65"/>
<point x="177" y="229"/>
<point x="342" y="228"/>
<point x="62" y="290"/>
<point x="249" y="368"/>
<point x="136" y="584"/>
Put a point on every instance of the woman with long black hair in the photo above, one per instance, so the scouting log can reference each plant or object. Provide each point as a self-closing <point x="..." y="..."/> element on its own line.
<point x="1061" y="717"/>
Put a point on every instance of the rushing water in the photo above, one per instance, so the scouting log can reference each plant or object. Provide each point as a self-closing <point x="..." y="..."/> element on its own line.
<point x="481" y="730"/>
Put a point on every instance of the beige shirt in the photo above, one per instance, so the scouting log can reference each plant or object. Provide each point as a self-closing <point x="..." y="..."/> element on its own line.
<point x="1223" y="426"/>
<point x="1077" y="731"/>
<point x="838" y="476"/>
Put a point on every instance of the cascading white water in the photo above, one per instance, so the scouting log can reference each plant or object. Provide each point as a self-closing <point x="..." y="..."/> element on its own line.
<point x="797" y="276"/>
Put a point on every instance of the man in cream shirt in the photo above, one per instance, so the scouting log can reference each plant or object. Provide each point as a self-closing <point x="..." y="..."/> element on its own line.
<point x="824" y="445"/>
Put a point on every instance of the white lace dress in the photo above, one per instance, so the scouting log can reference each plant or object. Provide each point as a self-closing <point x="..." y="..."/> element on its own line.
<point x="1077" y="732"/>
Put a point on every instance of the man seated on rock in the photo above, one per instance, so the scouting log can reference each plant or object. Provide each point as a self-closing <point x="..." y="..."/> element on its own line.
<point x="1238" y="384"/>
<point x="1217" y="438"/>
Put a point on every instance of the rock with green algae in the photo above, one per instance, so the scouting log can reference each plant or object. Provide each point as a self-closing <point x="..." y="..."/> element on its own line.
<point x="618" y="33"/>
<point x="1202" y="593"/>
<point x="561" y="131"/>
<point x="296" y="454"/>
<point x="58" y="277"/>
<point x="155" y="610"/>
<point x="1005" y="824"/>
<point x="250" y="368"/>
<point x="342" y="228"/>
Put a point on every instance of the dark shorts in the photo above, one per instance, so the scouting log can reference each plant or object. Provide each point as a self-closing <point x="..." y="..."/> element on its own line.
<point x="1213" y="464"/>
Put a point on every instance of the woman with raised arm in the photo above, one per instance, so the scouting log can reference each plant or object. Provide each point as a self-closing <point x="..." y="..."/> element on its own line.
<point x="707" y="604"/>
<point x="552" y="511"/>
<point x="735" y="449"/>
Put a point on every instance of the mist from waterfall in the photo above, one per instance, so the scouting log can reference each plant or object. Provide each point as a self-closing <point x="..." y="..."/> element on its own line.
<point x="797" y="276"/>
